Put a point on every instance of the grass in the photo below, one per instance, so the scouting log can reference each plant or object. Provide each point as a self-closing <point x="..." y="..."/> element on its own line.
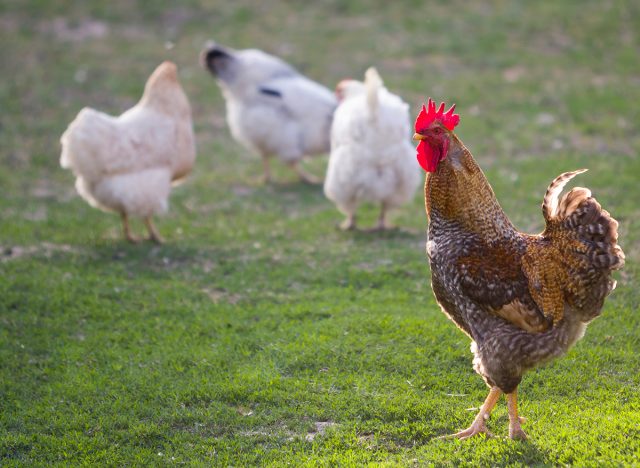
<point x="260" y="335"/>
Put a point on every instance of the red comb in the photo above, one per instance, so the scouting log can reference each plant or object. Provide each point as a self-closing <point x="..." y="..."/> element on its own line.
<point x="429" y="114"/>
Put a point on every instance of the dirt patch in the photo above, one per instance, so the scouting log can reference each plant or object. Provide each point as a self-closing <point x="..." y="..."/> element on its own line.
<point x="221" y="295"/>
<point x="244" y="411"/>
<point x="84" y="30"/>
<point x="242" y="190"/>
<point x="175" y="19"/>
<point x="46" y="249"/>
<point x="37" y="214"/>
<point x="513" y="74"/>
<point x="45" y="189"/>
<point x="319" y="429"/>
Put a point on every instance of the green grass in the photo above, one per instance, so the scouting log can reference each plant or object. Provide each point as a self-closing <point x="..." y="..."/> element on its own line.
<point x="258" y="319"/>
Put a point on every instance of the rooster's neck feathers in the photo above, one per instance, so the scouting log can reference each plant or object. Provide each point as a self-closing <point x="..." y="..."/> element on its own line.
<point x="458" y="191"/>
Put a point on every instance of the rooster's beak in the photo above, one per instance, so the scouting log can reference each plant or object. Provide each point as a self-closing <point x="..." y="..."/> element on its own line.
<point x="418" y="137"/>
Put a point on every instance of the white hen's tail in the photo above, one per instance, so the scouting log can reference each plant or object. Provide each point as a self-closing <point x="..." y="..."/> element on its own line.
<point x="373" y="83"/>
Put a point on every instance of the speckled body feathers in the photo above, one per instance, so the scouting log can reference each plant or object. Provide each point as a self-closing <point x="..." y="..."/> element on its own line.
<point x="523" y="299"/>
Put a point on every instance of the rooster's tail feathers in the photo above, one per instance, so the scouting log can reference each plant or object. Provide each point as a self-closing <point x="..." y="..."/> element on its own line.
<point x="577" y="211"/>
<point x="550" y="202"/>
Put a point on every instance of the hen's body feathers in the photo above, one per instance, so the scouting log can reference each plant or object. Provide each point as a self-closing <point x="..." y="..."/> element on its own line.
<point x="128" y="163"/>
<point x="371" y="157"/>
<point x="272" y="110"/>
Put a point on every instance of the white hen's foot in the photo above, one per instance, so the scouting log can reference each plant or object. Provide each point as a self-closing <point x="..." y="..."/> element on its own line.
<point x="133" y="239"/>
<point x="311" y="179"/>
<point x="382" y="220"/>
<point x="265" y="178"/>
<point x="126" y="229"/>
<point x="304" y="175"/>
<point x="349" y="224"/>
<point x="154" y="235"/>
<point x="382" y="224"/>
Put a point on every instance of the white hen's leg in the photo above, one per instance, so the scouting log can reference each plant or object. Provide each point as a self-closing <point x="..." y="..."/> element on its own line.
<point x="349" y="223"/>
<point x="515" y="430"/>
<point x="127" y="229"/>
<point x="266" y="171"/>
<point x="479" y="425"/>
<point x="154" y="235"/>
<point x="382" y="220"/>
<point x="304" y="175"/>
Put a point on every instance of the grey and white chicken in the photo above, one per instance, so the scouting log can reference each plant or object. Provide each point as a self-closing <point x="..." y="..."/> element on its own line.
<point x="272" y="109"/>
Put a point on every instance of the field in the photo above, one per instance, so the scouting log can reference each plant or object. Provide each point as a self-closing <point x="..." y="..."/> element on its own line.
<point x="259" y="334"/>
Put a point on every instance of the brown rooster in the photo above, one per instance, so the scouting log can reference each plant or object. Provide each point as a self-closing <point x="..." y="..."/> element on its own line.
<point x="523" y="299"/>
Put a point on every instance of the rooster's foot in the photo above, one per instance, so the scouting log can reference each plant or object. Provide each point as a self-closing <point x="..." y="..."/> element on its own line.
<point x="479" y="425"/>
<point x="515" y="430"/>
<point x="474" y="430"/>
<point x="517" y="434"/>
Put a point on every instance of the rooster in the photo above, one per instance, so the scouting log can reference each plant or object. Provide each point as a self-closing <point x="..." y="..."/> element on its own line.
<point x="272" y="109"/>
<point x="128" y="163"/>
<point x="522" y="299"/>
<point x="371" y="157"/>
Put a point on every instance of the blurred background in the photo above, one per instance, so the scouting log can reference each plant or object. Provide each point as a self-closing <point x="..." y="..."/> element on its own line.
<point x="541" y="81"/>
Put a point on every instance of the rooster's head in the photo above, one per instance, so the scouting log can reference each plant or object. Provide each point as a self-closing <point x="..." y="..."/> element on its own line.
<point x="433" y="130"/>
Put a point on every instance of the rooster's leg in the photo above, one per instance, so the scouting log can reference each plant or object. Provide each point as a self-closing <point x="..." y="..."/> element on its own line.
<point x="127" y="230"/>
<point x="479" y="424"/>
<point x="154" y="235"/>
<point x="515" y="431"/>
<point x="304" y="175"/>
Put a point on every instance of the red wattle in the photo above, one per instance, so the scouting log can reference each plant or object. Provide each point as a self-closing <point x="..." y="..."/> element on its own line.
<point x="426" y="157"/>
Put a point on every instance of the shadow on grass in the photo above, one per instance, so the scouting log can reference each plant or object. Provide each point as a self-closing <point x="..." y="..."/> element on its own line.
<point x="150" y="258"/>
<point x="503" y="449"/>
<point x="395" y="233"/>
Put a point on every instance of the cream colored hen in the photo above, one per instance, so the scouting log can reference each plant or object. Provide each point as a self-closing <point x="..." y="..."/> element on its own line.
<point x="127" y="164"/>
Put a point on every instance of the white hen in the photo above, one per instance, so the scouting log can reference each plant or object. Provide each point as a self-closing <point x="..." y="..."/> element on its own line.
<point x="371" y="158"/>
<point x="127" y="164"/>
<point x="271" y="108"/>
